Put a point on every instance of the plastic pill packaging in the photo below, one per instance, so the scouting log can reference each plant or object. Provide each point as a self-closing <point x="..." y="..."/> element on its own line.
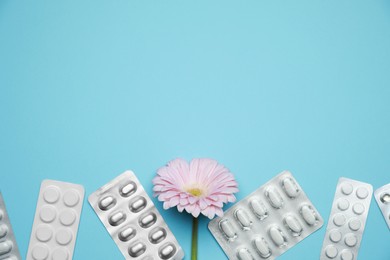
<point x="382" y="197"/>
<point x="133" y="221"/>
<point x="267" y="222"/>
<point x="8" y="247"/>
<point x="347" y="220"/>
<point x="56" y="221"/>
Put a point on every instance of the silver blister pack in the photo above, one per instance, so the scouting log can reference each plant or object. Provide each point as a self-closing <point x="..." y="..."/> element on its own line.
<point x="133" y="221"/>
<point x="56" y="221"/>
<point x="382" y="197"/>
<point x="8" y="247"/>
<point x="347" y="220"/>
<point x="268" y="222"/>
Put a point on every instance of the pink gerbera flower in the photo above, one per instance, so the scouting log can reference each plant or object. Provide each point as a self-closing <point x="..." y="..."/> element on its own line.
<point x="201" y="186"/>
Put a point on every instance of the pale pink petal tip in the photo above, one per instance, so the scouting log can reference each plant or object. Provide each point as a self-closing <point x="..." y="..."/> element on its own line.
<point x="200" y="187"/>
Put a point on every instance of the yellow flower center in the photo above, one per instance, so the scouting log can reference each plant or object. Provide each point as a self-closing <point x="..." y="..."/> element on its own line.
<point x="195" y="192"/>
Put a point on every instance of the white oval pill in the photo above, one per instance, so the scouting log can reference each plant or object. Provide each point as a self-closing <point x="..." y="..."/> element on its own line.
<point x="227" y="229"/>
<point x="243" y="218"/>
<point x="293" y="225"/>
<point x="335" y="236"/>
<point x="167" y="251"/>
<point x="107" y="203"/>
<point x="277" y="236"/>
<point x="339" y="219"/>
<point x="350" y="240"/>
<point x="290" y="187"/>
<point x="274" y="198"/>
<point x="343" y="204"/>
<point x="117" y="218"/>
<point x="362" y="193"/>
<point x="262" y="247"/>
<point x="244" y="254"/>
<point x="127" y="233"/>
<point x="137" y="249"/>
<point x="331" y="251"/>
<point x="5" y="247"/>
<point x="259" y="209"/>
<point x="346" y="255"/>
<point x="308" y="215"/>
<point x="128" y="189"/>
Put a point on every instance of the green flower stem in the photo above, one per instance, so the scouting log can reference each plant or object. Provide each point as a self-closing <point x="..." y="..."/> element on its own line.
<point x="194" y="246"/>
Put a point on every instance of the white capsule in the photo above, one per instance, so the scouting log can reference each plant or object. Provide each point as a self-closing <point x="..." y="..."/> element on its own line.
<point x="126" y="234"/>
<point x="277" y="236"/>
<point x="138" y="204"/>
<point x="128" y="189"/>
<point x="244" y="254"/>
<point x="157" y="235"/>
<point x="107" y="203"/>
<point x="148" y="220"/>
<point x="243" y="218"/>
<point x="227" y="229"/>
<point x="274" y="198"/>
<point x="262" y="247"/>
<point x="308" y="215"/>
<point x="290" y="187"/>
<point x="137" y="249"/>
<point x="293" y="225"/>
<point x="167" y="251"/>
<point x="117" y="218"/>
<point x="259" y="209"/>
<point x="5" y="247"/>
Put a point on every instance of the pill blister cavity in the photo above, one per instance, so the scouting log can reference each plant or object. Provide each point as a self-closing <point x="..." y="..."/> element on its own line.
<point x="137" y="249"/>
<point x="339" y="219"/>
<point x="3" y="230"/>
<point x="40" y="252"/>
<point x="157" y="235"/>
<point x="64" y="236"/>
<point x="358" y="208"/>
<point x="51" y="194"/>
<point x="274" y="197"/>
<point x="128" y="189"/>
<point x="309" y="215"/>
<point x="127" y="233"/>
<point x="362" y="193"/>
<point x="354" y="224"/>
<point x="244" y="254"/>
<point x="147" y="220"/>
<point x="331" y="251"/>
<point x="262" y="247"/>
<point x="5" y="247"/>
<point x="71" y="198"/>
<point x="107" y="203"/>
<point x="243" y="219"/>
<point x="44" y="233"/>
<point x="346" y="255"/>
<point x="290" y="187"/>
<point x="385" y="197"/>
<point x="350" y="240"/>
<point x="277" y="236"/>
<point x="167" y="251"/>
<point x="342" y="204"/>
<point x="346" y="188"/>
<point x="227" y="229"/>
<point x="60" y="254"/>
<point x="137" y="204"/>
<point x="335" y="235"/>
<point x="47" y="213"/>
<point x="259" y="209"/>
<point x="293" y="225"/>
<point x="117" y="218"/>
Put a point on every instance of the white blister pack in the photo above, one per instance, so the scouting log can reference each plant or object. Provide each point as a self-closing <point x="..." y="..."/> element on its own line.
<point x="347" y="220"/>
<point x="382" y="197"/>
<point x="268" y="222"/>
<point x="56" y="221"/>
<point x="8" y="247"/>
<point x="129" y="215"/>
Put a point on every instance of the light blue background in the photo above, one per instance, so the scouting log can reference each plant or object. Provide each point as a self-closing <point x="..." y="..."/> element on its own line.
<point x="89" y="89"/>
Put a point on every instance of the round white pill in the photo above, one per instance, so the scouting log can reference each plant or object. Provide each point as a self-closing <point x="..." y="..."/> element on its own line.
<point x="68" y="217"/>
<point x="358" y="208"/>
<point x="51" y="194"/>
<point x="346" y="188"/>
<point x="354" y="224"/>
<point x="339" y="219"/>
<point x="71" y="198"/>
<point x="331" y="251"/>
<point x="60" y="254"/>
<point x="362" y="193"/>
<point x="335" y="236"/>
<point x="47" y="214"/>
<point x="64" y="236"/>
<point x="346" y="255"/>
<point x="44" y="233"/>
<point x="40" y="252"/>
<point x="343" y="204"/>
<point x="350" y="240"/>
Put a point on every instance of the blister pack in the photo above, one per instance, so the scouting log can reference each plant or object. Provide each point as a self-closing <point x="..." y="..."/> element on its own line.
<point x="56" y="221"/>
<point x="8" y="247"/>
<point x="347" y="220"/>
<point x="267" y="222"/>
<point x="382" y="197"/>
<point x="129" y="215"/>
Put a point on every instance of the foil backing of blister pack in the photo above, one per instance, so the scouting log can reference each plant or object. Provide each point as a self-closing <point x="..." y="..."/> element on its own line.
<point x="133" y="221"/>
<point x="382" y="197"/>
<point x="56" y="221"/>
<point x="8" y="246"/>
<point x="347" y="220"/>
<point x="268" y="222"/>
